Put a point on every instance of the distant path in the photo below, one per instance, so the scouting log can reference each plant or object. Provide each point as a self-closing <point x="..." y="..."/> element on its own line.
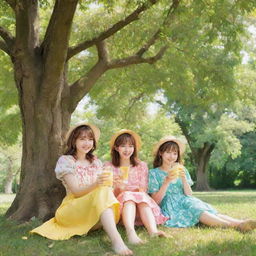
<point x="6" y="198"/>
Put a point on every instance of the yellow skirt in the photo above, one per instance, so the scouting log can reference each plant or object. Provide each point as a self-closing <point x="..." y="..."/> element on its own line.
<point x="76" y="216"/>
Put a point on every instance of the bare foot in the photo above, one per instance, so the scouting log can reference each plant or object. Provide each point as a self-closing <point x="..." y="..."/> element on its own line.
<point x="247" y="225"/>
<point x="122" y="249"/>
<point x="133" y="238"/>
<point x="159" y="233"/>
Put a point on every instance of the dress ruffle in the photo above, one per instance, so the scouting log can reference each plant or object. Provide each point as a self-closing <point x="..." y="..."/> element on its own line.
<point x="142" y="197"/>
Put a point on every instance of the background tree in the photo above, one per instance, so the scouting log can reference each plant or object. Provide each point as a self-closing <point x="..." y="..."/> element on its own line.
<point x="199" y="86"/>
<point x="10" y="167"/>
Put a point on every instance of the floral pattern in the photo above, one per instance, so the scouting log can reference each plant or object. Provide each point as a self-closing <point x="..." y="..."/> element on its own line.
<point x="85" y="174"/>
<point x="135" y="190"/>
<point x="182" y="210"/>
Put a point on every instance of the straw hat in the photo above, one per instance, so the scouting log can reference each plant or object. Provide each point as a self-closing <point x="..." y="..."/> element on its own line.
<point x="94" y="128"/>
<point x="166" y="139"/>
<point x="134" y="135"/>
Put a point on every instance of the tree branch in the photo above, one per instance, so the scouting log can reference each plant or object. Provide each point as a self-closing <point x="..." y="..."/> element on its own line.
<point x="166" y="22"/>
<point x="55" y="44"/>
<point x="4" y="47"/>
<point x="131" y="104"/>
<point x="102" y="51"/>
<point x="136" y="59"/>
<point x="111" y="31"/>
<point x="186" y="133"/>
<point x="83" y="85"/>
<point x="7" y="36"/>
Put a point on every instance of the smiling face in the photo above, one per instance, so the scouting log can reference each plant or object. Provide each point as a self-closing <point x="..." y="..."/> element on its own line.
<point x="170" y="157"/>
<point x="167" y="154"/>
<point x="124" y="149"/>
<point x="81" y="142"/>
<point x="84" y="143"/>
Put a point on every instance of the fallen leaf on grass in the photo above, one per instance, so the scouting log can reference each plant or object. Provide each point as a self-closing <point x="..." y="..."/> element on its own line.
<point x="51" y="245"/>
<point x="24" y="238"/>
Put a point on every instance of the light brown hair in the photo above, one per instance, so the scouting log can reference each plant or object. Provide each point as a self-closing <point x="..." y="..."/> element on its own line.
<point x="74" y="135"/>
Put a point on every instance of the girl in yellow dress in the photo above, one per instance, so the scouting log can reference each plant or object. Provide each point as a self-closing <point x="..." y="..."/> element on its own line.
<point x="88" y="203"/>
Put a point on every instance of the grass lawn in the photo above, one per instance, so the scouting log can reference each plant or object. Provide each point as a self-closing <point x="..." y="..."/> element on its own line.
<point x="199" y="241"/>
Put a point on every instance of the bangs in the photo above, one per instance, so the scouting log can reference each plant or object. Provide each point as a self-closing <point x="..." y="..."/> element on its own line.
<point x="125" y="138"/>
<point x="84" y="132"/>
<point x="169" y="146"/>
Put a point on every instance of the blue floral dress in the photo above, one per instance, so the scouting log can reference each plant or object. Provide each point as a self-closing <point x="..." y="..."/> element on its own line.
<point x="183" y="211"/>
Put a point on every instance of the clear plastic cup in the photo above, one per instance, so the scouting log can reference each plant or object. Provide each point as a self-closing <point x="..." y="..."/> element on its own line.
<point x="108" y="170"/>
<point x="125" y="173"/>
<point x="175" y="171"/>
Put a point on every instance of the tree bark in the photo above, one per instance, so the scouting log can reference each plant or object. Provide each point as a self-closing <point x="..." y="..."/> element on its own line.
<point x="199" y="156"/>
<point x="202" y="160"/>
<point x="44" y="123"/>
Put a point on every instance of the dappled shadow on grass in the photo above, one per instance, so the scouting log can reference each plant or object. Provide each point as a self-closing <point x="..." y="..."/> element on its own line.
<point x="200" y="241"/>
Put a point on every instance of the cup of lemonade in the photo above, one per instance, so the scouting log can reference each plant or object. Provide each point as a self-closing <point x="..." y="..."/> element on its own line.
<point x="125" y="173"/>
<point x="175" y="171"/>
<point x="108" y="171"/>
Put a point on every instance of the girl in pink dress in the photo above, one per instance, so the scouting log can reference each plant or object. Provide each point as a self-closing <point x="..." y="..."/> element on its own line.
<point x="131" y="188"/>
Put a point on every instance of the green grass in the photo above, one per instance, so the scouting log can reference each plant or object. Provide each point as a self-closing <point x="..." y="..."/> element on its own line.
<point x="199" y="241"/>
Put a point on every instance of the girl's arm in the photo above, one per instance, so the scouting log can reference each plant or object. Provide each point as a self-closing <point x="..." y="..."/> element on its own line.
<point x="186" y="187"/>
<point x="159" y="195"/>
<point x="79" y="191"/>
<point x="143" y="178"/>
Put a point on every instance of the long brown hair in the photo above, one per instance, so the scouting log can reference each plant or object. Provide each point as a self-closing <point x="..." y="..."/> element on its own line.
<point x="74" y="135"/>
<point x="121" y="140"/>
<point x="167" y="146"/>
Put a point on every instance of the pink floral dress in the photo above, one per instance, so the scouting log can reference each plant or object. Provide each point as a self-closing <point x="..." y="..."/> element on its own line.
<point x="135" y="190"/>
<point x="85" y="174"/>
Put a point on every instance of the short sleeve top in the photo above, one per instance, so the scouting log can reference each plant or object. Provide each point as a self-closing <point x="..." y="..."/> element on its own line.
<point x="157" y="177"/>
<point x="85" y="174"/>
<point x="138" y="175"/>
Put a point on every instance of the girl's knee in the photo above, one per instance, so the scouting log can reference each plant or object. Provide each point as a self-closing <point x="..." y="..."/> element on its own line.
<point x="129" y="202"/>
<point x="142" y="205"/>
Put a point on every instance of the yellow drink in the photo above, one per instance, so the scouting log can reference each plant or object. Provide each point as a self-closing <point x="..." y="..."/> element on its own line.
<point x="175" y="171"/>
<point x="125" y="173"/>
<point x="108" y="171"/>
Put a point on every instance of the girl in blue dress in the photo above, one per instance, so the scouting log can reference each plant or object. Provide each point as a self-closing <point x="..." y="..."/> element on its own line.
<point x="174" y="195"/>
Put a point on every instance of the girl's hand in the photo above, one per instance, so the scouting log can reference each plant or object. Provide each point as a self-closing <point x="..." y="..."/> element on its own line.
<point x="183" y="174"/>
<point x="102" y="178"/>
<point x="118" y="180"/>
<point x="170" y="177"/>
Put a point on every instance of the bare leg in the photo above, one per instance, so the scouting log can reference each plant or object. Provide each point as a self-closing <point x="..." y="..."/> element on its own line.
<point x="212" y="220"/>
<point x="109" y="225"/>
<point x="148" y="220"/>
<point x="226" y="221"/>
<point x="230" y="219"/>
<point x="128" y="217"/>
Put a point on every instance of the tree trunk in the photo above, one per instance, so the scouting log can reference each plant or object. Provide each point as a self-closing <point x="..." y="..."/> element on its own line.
<point x="202" y="160"/>
<point x="40" y="193"/>
<point x="44" y="121"/>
